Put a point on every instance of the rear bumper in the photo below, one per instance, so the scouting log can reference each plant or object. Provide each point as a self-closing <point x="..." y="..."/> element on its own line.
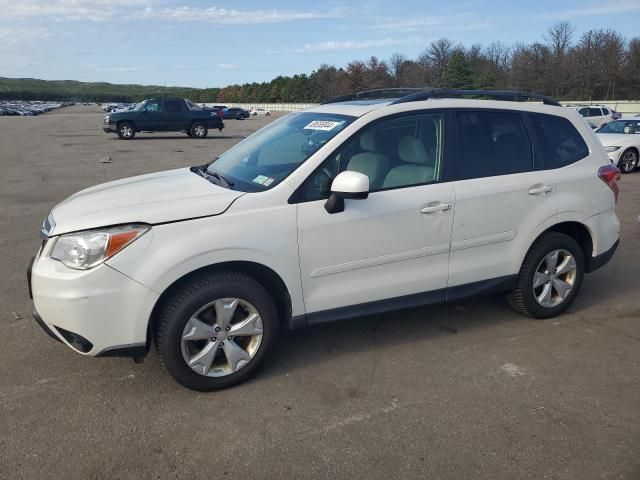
<point x="598" y="261"/>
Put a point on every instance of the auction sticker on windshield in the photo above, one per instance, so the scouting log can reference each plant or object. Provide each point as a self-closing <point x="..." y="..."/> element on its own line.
<point x="263" y="180"/>
<point x="324" y="125"/>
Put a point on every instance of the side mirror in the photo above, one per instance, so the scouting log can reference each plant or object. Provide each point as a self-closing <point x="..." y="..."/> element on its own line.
<point x="349" y="184"/>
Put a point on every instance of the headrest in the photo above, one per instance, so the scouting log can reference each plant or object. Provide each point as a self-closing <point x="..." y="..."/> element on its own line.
<point x="368" y="140"/>
<point x="411" y="150"/>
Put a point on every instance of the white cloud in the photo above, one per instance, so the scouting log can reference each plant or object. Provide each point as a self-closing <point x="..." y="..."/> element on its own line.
<point x="94" y="10"/>
<point x="12" y="36"/>
<point x="233" y="16"/>
<point x="457" y="23"/>
<point x="606" y="8"/>
<point x="330" y="45"/>
<point x="101" y="10"/>
<point x="228" y="66"/>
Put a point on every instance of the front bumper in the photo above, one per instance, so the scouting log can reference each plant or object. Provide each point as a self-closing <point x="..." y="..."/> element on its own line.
<point x="109" y="128"/>
<point x="96" y="312"/>
<point x="614" y="156"/>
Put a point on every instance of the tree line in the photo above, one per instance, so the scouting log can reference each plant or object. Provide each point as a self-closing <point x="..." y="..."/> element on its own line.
<point x="599" y="64"/>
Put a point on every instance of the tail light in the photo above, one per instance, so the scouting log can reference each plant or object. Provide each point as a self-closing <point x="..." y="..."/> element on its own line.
<point x="219" y="113"/>
<point x="609" y="174"/>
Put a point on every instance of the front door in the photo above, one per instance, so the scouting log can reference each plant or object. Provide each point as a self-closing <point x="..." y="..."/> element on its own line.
<point x="391" y="248"/>
<point x="151" y="117"/>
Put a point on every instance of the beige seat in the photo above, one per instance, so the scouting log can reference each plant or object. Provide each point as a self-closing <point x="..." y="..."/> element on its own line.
<point x="371" y="162"/>
<point x="419" y="167"/>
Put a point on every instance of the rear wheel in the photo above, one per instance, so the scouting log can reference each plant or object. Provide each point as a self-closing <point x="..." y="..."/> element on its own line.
<point x="126" y="131"/>
<point x="628" y="161"/>
<point x="198" y="130"/>
<point x="216" y="331"/>
<point x="188" y="132"/>
<point x="550" y="276"/>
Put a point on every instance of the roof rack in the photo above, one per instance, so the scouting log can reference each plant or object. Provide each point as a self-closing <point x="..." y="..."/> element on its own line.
<point x="389" y="93"/>
<point x="507" y="95"/>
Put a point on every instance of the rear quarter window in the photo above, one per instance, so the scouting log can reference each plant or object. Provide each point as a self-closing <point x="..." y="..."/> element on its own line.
<point x="558" y="142"/>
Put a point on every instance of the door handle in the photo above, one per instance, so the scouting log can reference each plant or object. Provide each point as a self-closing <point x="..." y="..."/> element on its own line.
<point x="539" y="189"/>
<point x="435" y="207"/>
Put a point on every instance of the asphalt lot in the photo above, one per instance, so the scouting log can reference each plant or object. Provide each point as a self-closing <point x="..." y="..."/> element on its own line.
<point x="471" y="390"/>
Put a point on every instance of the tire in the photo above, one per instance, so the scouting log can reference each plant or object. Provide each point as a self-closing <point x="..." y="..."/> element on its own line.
<point x="240" y="117"/>
<point x="267" y="114"/>
<point x="198" y="130"/>
<point x="188" y="132"/>
<point x="126" y="131"/>
<point x="628" y="160"/>
<point x="528" y="298"/>
<point x="203" y="296"/>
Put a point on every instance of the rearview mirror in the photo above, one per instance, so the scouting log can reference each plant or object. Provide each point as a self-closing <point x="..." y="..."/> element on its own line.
<point x="349" y="184"/>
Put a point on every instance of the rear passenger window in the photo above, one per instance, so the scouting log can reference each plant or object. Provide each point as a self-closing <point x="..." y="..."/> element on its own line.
<point x="560" y="144"/>
<point x="491" y="143"/>
<point x="172" y="106"/>
<point x="595" y="112"/>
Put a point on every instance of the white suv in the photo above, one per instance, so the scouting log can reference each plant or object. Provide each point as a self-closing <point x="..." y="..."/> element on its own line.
<point x="342" y="210"/>
<point x="597" y="115"/>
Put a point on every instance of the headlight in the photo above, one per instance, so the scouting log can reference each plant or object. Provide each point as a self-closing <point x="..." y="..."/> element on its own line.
<point x="611" y="149"/>
<point x="84" y="250"/>
<point x="107" y="118"/>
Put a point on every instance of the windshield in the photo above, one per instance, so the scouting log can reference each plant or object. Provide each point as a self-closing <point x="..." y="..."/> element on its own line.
<point x="267" y="157"/>
<point x="621" y="126"/>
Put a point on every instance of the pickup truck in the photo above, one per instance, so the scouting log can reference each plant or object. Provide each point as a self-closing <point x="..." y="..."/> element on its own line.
<point x="163" y="115"/>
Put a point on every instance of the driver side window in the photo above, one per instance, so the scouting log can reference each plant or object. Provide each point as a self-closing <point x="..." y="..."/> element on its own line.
<point x="152" y="107"/>
<point x="398" y="152"/>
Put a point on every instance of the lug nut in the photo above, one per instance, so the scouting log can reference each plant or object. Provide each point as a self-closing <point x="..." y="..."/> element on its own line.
<point x="228" y="328"/>
<point x="217" y="329"/>
<point x="229" y="338"/>
<point x="213" y="339"/>
<point x="221" y="344"/>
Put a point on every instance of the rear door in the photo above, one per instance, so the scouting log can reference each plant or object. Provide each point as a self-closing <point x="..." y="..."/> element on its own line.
<point x="175" y="115"/>
<point x="501" y="196"/>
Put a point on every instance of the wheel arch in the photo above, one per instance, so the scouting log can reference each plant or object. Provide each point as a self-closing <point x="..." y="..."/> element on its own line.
<point x="120" y="122"/>
<point x="574" y="229"/>
<point x="265" y="276"/>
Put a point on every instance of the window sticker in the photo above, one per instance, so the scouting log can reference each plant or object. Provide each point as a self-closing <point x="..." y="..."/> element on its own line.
<point x="263" y="180"/>
<point x="323" y="125"/>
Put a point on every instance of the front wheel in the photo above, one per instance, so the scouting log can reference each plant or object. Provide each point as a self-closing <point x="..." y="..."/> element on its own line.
<point x="198" y="130"/>
<point x="216" y="331"/>
<point x="550" y="276"/>
<point x="628" y="161"/>
<point x="126" y="131"/>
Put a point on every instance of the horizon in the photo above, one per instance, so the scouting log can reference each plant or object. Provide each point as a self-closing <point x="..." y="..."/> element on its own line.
<point x="213" y="45"/>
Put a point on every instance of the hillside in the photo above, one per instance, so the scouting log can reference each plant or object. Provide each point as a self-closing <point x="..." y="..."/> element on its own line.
<point x="34" y="89"/>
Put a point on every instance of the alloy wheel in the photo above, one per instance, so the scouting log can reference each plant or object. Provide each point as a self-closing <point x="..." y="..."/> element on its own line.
<point x="629" y="161"/>
<point x="198" y="131"/>
<point x="222" y="337"/>
<point x="554" y="278"/>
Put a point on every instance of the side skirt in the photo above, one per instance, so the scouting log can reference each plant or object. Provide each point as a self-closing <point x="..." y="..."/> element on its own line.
<point x="451" y="294"/>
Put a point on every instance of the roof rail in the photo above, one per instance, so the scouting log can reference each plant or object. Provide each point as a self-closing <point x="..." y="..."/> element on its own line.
<point x="382" y="93"/>
<point x="507" y="95"/>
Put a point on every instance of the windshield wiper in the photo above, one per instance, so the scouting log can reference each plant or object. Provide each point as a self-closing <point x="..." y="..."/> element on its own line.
<point x="224" y="180"/>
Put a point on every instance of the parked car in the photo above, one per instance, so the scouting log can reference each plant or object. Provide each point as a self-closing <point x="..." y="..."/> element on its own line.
<point x="621" y="141"/>
<point x="29" y="108"/>
<point x="341" y="210"/>
<point x="259" y="112"/>
<point x="597" y="115"/>
<point x="163" y="115"/>
<point x="235" y="113"/>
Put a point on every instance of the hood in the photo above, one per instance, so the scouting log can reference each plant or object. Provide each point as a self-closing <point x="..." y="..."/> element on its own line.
<point x="616" y="139"/>
<point x="153" y="198"/>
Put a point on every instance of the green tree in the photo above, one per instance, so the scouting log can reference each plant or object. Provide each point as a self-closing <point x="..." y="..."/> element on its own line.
<point x="458" y="73"/>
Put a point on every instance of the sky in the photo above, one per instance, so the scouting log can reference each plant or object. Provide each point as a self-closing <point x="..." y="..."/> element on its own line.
<point x="213" y="43"/>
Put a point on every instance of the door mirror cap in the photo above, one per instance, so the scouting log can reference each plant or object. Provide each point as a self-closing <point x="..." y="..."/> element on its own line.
<point x="350" y="184"/>
<point x="347" y="184"/>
